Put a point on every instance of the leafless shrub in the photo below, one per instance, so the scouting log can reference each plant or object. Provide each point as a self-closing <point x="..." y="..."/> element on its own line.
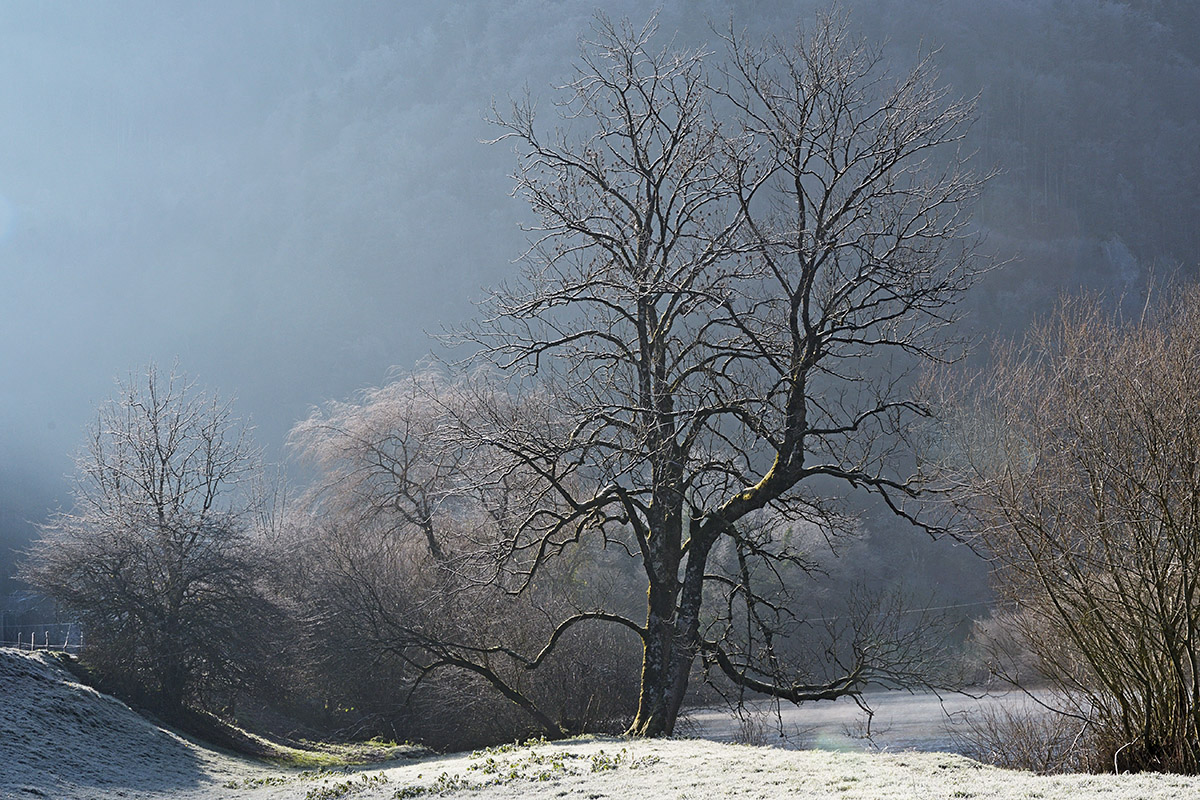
<point x="157" y="554"/>
<point x="404" y="561"/>
<point x="1075" y="459"/>
<point x="754" y="727"/>
<point x="1028" y="737"/>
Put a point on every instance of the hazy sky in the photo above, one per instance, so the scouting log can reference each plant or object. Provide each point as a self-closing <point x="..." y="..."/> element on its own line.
<point x="247" y="187"/>
<point x="282" y="195"/>
<point x="285" y="196"/>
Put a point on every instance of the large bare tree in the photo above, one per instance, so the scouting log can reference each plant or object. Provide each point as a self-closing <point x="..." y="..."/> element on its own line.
<point x="154" y="554"/>
<point x="735" y="263"/>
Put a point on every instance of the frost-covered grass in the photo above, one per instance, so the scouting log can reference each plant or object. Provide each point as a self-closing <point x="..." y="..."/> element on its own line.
<point x="616" y="768"/>
<point x="62" y="740"/>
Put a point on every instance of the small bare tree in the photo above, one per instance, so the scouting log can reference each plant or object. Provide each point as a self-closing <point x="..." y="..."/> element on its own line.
<point x="732" y="269"/>
<point x="1077" y="456"/>
<point x="154" y="554"/>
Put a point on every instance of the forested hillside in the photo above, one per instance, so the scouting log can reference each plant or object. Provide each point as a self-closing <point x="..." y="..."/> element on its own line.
<point x="302" y="210"/>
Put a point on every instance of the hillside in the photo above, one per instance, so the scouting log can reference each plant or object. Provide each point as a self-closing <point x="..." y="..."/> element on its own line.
<point x="61" y="740"/>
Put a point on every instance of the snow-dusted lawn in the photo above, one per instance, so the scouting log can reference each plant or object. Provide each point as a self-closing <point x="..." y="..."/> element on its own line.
<point x="610" y="768"/>
<point x="62" y="740"/>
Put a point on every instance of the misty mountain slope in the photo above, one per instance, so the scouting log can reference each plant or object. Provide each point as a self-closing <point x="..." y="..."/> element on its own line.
<point x="61" y="740"/>
<point x="287" y="196"/>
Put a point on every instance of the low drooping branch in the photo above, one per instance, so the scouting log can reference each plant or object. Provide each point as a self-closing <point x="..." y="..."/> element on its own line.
<point x="577" y="618"/>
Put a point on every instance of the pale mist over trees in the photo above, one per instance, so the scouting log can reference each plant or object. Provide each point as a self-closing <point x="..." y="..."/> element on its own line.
<point x="670" y="457"/>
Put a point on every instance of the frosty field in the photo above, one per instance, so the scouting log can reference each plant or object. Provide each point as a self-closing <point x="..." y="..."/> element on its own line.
<point x="59" y="739"/>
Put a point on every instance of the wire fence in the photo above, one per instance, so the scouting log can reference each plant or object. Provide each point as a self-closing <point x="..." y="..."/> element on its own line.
<point x="66" y="637"/>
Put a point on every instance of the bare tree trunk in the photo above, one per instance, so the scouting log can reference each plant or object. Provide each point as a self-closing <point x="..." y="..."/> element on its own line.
<point x="654" y="715"/>
<point x="688" y="626"/>
<point x="673" y="624"/>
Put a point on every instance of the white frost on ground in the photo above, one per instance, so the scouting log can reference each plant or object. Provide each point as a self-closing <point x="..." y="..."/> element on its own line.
<point x="62" y="740"/>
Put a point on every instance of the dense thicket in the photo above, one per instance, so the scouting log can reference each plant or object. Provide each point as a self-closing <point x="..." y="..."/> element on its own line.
<point x="1076" y="455"/>
<point x="414" y="619"/>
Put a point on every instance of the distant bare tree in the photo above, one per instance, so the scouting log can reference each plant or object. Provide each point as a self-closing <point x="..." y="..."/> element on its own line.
<point x="154" y="554"/>
<point x="1077" y="457"/>
<point x="732" y="269"/>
